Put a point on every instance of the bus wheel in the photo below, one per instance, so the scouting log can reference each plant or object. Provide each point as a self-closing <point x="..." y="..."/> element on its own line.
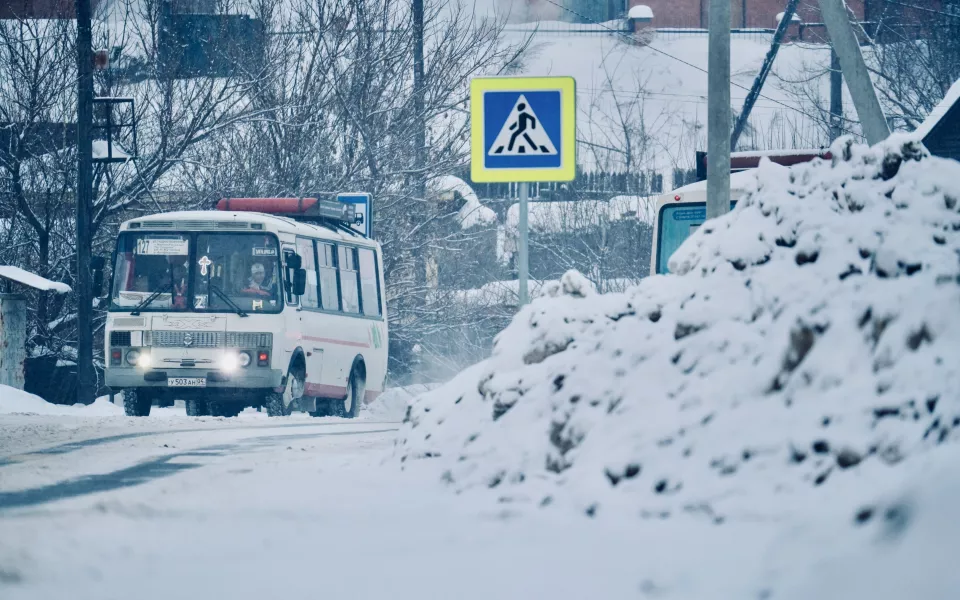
<point x="197" y="408"/>
<point x="137" y="403"/>
<point x="356" y="388"/>
<point x="280" y="404"/>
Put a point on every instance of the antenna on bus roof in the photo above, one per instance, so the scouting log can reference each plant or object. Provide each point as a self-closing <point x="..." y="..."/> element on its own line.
<point x="331" y="213"/>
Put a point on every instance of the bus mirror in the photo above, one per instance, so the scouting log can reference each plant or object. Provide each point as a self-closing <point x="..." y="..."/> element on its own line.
<point x="96" y="267"/>
<point x="299" y="282"/>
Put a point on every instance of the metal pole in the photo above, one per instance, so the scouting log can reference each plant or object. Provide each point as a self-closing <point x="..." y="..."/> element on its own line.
<point x="85" y="375"/>
<point x="523" y="264"/>
<point x="836" y="96"/>
<point x="718" y="111"/>
<point x="778" y="36"/>
<point x="861" y="88"/>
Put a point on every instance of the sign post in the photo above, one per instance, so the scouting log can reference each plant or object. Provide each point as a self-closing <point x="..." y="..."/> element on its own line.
<point x="523" y="130"/>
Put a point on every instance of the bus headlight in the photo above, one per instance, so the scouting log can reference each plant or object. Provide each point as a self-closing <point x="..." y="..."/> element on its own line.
<point x="137" y="359"/>
<point x="245" y="359"/>
<point x="229" y="362"/>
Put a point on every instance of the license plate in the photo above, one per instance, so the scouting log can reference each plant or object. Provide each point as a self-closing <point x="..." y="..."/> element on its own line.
<point x="187" y="382"/>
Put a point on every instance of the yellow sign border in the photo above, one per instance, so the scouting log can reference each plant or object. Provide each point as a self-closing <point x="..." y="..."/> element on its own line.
<point x="567" y="171"/>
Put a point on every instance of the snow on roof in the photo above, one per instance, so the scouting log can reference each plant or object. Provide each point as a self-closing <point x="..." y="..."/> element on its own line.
<point x="740" y="181"/>
<point x="554" y="217"/>
<point x="473" y="212"/>
<point x="640" y="11"/>
<point x="279" y="222"/>
<point x="804" y="355"/>
<point x="938" y="113"/>
<point x="100" y="150"/>
<point x="794" y="19"/>
<point x="32" y="280"/>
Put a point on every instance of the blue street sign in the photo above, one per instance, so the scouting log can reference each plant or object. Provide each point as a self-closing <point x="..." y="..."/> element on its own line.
<point x="364" y="206"/>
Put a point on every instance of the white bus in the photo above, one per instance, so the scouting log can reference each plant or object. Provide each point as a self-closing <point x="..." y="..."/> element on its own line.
<point x="680" y="212"/>
<point x="236" y="307"/>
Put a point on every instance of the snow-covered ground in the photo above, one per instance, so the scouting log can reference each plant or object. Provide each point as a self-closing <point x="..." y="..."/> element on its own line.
<point x="801" y="370"/>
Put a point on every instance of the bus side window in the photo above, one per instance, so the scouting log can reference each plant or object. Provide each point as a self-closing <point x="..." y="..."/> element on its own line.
<point x="310" y="298"/>
<point x="349" y="288"/>
<point x="329" y="296"/>
<point x="369" y="283"/>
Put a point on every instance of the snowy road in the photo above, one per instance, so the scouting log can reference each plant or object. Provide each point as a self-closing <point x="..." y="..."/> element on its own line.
<point x="172" y="507"/>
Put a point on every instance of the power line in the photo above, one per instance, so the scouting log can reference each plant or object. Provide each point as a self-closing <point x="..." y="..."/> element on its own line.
<point x="680" y="60"/>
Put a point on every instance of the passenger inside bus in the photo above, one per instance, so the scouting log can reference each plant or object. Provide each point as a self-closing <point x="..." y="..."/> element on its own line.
<point x="257" y="284"/>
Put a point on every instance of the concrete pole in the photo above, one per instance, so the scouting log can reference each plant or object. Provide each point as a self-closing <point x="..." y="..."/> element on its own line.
<point x="836" y="97"/>
<point x="718" y="110"/>
<point x="523" y="255"/>
<point x="854" y="69"/>
<point x="13" y="339"/>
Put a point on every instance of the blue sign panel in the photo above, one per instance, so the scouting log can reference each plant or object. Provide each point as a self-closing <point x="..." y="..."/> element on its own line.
<point x="364" y="208"/>
<point x="522" y="130"/>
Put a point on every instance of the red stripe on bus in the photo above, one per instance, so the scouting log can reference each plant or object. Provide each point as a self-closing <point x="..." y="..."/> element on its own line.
<point x="338" y="342"/>
<point x="321" y="390"/>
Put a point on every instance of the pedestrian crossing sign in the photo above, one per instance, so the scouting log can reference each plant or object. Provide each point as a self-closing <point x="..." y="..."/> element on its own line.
<point x="523" y="129"/>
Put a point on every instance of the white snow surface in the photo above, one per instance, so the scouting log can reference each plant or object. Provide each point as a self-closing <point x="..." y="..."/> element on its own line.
<point x="32" y="280"/>
<point x="473" y="212"/>
<point x="640" y="11"/>
<point x="14" y="401"/>
<point x="806" y="350"/>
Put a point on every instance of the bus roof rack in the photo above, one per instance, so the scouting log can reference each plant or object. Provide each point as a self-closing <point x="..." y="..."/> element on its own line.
<point x="332" y="213"/>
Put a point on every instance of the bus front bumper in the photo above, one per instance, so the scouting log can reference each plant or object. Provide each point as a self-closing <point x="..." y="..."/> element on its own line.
<point x="244" y="378"/>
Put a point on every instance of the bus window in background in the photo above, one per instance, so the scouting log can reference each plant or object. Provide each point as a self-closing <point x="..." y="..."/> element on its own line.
<point x="347" y="259"/>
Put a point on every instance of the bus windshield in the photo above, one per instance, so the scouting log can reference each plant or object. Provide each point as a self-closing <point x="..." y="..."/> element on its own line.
<point x="199" y="272"/>
<point x="675" y="223"/>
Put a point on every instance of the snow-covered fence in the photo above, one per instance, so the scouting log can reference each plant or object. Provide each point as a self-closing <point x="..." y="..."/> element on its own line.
<point x="13" y="323"/>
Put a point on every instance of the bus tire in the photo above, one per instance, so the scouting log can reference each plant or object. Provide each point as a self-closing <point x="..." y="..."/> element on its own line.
<point x="197" y="408"/>
<point x="137" y="403"/>
<point x="280" y="404"/>
<point x="356" y="388"/>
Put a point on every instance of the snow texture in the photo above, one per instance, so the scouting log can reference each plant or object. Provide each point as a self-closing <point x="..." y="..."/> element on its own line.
<point x="14" y="401"/>
<point x="32" y="280"/>
<point x="805" y="350"/>
<point x="472" y="213"/>
<point x="641" y="11"/>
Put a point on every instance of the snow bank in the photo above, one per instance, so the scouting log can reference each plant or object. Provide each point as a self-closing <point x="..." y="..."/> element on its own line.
<point x="807" y="348"/>
<point x="14" y="401"/>
<point x="392" y="404"/>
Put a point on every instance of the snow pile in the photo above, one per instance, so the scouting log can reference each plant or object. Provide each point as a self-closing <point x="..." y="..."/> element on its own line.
<point x="392" y="404"/>
<point x="809" y="343"/>
<point x="472" y="213"/>
<point x="14" y="401"/>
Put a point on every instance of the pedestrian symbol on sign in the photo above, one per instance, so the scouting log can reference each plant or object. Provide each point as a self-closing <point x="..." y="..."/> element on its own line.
<point x="521" y="135"/>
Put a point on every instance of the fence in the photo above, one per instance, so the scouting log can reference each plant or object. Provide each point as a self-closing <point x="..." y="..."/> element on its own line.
<point x="595" y="185"/>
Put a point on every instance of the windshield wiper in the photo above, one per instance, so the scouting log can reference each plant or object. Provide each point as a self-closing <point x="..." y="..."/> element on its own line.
<point x="223" y="296"/>
<point x="136" y="310"/>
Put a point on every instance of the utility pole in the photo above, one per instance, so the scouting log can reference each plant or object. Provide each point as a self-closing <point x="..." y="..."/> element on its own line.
<point x="86" y="385"/>
<point x="854" y="69"/>
<point x="420" y="137"/>
<point x="778" y="36"/>
<point x="718" y="111"/>
<point x="836" y="96"/>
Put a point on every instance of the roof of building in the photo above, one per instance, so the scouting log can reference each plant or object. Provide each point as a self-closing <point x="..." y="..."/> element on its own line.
<point x="33" y="280"/>
<point x="938" y="113"/>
